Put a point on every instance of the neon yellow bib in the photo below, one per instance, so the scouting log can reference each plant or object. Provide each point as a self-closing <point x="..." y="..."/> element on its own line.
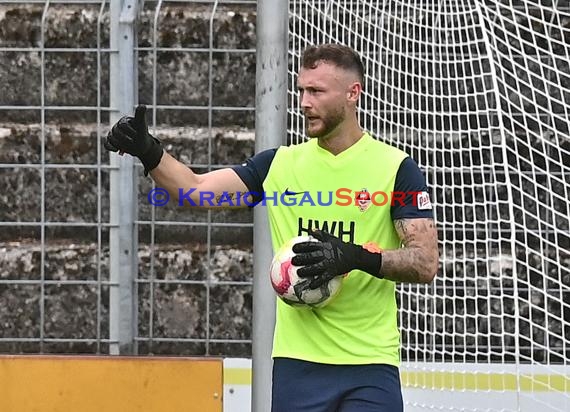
<point x="360" y="324"/>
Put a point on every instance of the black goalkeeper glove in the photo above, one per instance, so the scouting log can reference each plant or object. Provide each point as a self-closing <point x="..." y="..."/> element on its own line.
<point x="331" y="257"/>
<point x="130" y="135"/>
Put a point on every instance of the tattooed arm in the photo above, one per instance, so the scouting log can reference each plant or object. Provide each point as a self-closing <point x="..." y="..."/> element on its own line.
<point x="418" y="260"/>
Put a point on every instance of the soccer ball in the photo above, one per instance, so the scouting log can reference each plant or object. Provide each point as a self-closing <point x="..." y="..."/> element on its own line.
<point x="294" y="290"/>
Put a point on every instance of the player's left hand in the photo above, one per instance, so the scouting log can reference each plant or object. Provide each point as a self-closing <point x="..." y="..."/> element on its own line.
<point x="331" y="257"/>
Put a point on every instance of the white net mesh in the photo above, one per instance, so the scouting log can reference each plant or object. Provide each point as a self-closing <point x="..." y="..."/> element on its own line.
<point x="478" y="92"/>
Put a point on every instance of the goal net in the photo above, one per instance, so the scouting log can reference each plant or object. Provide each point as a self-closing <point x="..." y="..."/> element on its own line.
<point x="478" y="93"/>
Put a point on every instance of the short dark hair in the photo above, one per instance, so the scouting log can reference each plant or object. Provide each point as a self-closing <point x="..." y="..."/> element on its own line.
<point x="336" y="54"/>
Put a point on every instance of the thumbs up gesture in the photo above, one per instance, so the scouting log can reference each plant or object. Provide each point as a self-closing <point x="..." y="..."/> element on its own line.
<point x="130" y="135"/>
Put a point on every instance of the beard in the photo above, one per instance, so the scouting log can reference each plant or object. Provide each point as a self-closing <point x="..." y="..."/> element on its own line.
<point x="322" y="126"/>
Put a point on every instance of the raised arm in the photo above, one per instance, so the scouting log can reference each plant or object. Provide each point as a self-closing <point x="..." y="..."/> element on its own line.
<point x="221" y="187"/>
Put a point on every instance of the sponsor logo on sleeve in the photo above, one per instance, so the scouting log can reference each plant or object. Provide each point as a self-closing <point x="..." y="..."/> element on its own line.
<point x="424" y="202"/>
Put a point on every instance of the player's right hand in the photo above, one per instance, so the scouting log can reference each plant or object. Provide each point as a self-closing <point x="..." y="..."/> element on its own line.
<point x="130" y="135"/>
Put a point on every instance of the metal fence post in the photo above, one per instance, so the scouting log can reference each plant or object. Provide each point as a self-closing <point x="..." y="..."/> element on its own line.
<point x="270" y="131"/>
<point x="123" y="209"/>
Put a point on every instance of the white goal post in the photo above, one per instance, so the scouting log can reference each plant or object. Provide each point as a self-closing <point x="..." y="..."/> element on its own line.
<point x="478" y="93"/>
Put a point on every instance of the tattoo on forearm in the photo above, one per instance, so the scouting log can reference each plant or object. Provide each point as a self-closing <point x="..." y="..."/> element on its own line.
<point x="226" y="197"/>
<point x="417" y="261"/>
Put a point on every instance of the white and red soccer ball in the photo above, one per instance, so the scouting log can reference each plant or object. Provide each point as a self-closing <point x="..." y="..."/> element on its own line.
<point x="294" y="290"/>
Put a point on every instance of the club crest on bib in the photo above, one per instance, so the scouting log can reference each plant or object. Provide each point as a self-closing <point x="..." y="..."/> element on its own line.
<point x="363" y="200"/>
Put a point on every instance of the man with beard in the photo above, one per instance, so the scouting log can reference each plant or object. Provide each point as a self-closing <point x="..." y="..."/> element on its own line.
<point x="344" y="356"/>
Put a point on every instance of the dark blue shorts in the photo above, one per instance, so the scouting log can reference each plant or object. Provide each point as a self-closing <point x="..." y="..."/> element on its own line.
<point x="301" y="386"/>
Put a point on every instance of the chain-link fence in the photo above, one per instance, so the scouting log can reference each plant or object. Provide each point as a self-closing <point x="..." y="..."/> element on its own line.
<point x="87" y="265"/>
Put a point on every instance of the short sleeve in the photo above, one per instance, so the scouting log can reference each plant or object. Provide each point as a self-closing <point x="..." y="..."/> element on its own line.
<point x="254" y="171"/>
<point x="411" y="197"/>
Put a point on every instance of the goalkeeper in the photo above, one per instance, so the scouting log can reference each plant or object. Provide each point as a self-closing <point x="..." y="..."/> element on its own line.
<point x="344" y="356"/>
